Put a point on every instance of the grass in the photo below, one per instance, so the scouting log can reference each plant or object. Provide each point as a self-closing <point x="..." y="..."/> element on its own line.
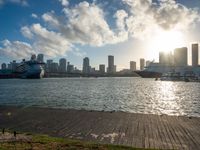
<point x="44" y="142"/>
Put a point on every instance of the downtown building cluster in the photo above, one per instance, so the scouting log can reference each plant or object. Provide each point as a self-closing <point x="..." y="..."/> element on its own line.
<point x="179" y="57"/>
<point x="63" y="66"/>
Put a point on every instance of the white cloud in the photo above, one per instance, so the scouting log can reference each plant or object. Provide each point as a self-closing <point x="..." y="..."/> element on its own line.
<point x="34" y="16"/>
<point x="51" y="19"/>
<point x="121" y="16"/>
<point x="16" y="49"/>
<point x="20" y="2"/>
<point x="47" y="42"/>
<point x="145" y="16"/>
<point x="64" y="2"/>
<point x="26" y="32"/>
<point x="85" y="23"/>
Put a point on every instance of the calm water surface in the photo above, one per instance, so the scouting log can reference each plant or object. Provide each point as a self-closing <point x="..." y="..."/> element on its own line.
<point x="120" y="94"/>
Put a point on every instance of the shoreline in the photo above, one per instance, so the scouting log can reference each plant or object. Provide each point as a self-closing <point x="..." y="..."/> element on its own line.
<point x="119" y="128"/>
<point x="92" y="110"/>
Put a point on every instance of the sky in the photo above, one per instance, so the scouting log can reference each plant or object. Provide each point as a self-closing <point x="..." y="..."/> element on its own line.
<point x="74" y="29"/>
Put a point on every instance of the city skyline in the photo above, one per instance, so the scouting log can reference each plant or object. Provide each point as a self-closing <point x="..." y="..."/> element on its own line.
<point x="177" y="57"/>
<point x="57" y="32"/>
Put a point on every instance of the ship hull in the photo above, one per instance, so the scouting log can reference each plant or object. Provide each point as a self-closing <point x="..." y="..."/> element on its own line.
<point x="33" y="75"/>
<point x="31" y="70"/>
<point x="148" y="74"/>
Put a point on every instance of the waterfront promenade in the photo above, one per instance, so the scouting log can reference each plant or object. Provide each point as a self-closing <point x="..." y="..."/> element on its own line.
<point x="137" y="130"/>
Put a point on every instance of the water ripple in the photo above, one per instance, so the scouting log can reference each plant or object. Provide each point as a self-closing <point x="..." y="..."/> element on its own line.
<point x="120" y="94"/>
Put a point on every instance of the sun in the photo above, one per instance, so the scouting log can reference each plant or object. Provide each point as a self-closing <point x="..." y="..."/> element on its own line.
<point x="166" y="41"/>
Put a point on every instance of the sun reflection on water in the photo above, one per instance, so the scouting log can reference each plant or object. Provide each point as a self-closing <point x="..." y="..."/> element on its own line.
<point x="167" y="100"/>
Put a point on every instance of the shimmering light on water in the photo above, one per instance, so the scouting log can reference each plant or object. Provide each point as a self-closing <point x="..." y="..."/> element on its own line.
<point x="120" y="94"/>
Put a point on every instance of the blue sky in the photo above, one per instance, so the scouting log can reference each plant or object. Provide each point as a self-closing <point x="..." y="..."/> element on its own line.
<point x="127" y="29"/>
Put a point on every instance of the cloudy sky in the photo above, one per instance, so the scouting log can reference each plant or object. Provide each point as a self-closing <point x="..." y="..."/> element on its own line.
<point x="127" y="29"/>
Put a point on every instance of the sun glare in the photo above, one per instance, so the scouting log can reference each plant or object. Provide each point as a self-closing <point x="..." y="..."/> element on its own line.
<point x="166" y="41"/>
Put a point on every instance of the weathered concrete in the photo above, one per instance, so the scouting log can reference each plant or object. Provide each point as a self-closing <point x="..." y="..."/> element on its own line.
<point x="138" y="130"/>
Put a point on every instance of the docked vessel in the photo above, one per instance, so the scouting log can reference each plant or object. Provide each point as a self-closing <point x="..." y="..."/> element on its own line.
<point x="172" y="76"/>
<point x="157" y="70"/>
<point x="31" y="69"/>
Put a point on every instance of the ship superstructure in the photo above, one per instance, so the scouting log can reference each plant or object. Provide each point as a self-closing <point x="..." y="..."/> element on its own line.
<point x="30" y="69"/>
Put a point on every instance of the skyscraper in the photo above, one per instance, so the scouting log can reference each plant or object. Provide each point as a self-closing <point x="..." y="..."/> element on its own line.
<point x="148" y="63"/>
<point x="142" y="63"/>
<point x="102" y="68"/>
<point x="180" y="56"/>
<point x="54" y="67"/>
<point x="132" y="65"/>
<point x="33" y="57"/>
<point x="14" y="65"/>
<point x="166" y="58"/>
<point x="111" y="67"/>
<point x="49" y="68"/>
<point x="70" y="68"/>
<point x="86" y="65"/>
<point x="3" y="66"/>
<point x="62" y="65"/>
<point x="195" y="54"/>
<point x="40" y="57"/>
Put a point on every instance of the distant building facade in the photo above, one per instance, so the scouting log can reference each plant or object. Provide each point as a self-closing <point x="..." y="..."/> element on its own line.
<point x="40" y="57"/>
<point x="86" y="65"/>
<point x="166" y="58"/>
<point x="142" y="63"/>
<point x="195" y="55"/>
<point x="62" y="65"/>
<point x="111" y="67"/>
<point x="48" y="65"/>
<point x="180" y="56"/>
<point x="54" y="67"/>
<point x="148" y="63"/>
<point x="33" y="57"/>
<point x="3" y="66"/>
<point x="70" y="68"/>
<point x="102" y="68"/>
<point x="132" y="65"/>
<point x="14" y="65"/>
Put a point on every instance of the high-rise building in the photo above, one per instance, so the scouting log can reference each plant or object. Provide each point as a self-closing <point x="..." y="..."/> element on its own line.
<point x="33" y="57"/>
<point x="180" y="56"/>
<point x="148" y="63"/>
<point x="142" y="63"/>
<point x="14" y="65"/>
<point x="86" y="65"/>
<point x="102" y="68"/>
<point x="111" y="67"/>
<point x="92" y="70"/>
<point x="195" y="55"/>
<point x="62" y="65"/>
<point x="166" y="58"/>
<point x="115" y="68"/>
<point x="54" y="67"/>
<point x="70" y="68"/>
<point x="132" y="65"/>
<point x="9" y="66"/>
<point x="48" y="66"/>
<point x="40" y="57"/>
<point x="3" y="66"/>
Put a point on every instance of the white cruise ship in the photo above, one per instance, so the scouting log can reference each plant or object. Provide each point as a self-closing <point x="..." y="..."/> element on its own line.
<point x="31" y="69"/>
<point x="156" y="70"/>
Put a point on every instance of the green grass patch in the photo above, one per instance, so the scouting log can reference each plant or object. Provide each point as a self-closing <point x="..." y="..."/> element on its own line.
<point x="44" y="142"/>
